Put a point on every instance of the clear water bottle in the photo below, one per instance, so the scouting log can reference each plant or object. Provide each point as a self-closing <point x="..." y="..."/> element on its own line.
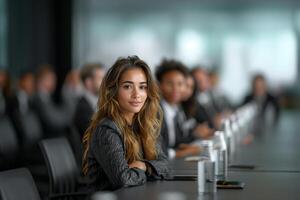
<point x="207" y="149"/>
<point x="229" y="139"/>
<point x="206" y="176"/>
<point x="220" y="150"/>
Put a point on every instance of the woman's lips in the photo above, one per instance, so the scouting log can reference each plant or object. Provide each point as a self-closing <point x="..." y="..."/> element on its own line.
<point x="135" y="104"/>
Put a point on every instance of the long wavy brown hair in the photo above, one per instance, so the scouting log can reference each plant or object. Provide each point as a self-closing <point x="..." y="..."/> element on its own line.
<point x="146" y="122"/>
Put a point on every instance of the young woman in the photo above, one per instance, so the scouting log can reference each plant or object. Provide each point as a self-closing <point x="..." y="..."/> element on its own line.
<point x="121" y="145"/>
<point x="195" y="112"/>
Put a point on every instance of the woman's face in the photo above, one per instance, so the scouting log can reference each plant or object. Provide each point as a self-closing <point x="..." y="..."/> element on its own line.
<point x="172" y="86"/>
<point x="189" y="88"/>
<point x="132" y="92"/>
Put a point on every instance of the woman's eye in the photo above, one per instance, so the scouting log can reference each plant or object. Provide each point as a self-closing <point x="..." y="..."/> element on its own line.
<point x="143" y="87"/>
<point x="126" y="86"/>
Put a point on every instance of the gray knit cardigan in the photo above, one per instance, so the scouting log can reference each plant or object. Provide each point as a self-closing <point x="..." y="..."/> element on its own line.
<point x="108" y="168"/>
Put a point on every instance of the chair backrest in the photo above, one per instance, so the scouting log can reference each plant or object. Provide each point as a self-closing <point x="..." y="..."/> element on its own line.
<point x="17" y="184"/>
<point x="8" y="143"/>
<point x="32" y="129"/>
<point x="61" y="165"/>
<point x="74" y="138"/>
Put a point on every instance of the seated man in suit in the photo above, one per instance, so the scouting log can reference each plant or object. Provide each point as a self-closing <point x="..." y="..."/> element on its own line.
<point x="176" y="134"/>
<point x="268" y="109"/>
<point x="19" y="104"/>
<point x="55" y="117"/>
<point x="91" y="76"/>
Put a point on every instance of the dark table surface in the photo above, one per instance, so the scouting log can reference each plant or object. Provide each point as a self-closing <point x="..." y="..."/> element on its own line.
<point x="275" y="155"/>
<point x="277" y="149"/>
<point x="258" y="185"/>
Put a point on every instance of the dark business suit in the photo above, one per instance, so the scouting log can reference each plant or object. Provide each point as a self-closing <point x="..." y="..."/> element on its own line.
<point x="14" y="112"/>
<point x="24" y="119"/>
<point x="267" y="101"/>
<point x="107" y="166"/>
<point x="82" y="116"/>
<point x="182" y="134"/>
<point x="209" y="104"/>
<point x="193" y="109"/>
<point x="55" y="118"/>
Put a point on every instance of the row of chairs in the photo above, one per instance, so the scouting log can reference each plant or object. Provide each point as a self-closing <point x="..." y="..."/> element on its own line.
<point x="63" y="173"/>
<point x="9" y="146"/>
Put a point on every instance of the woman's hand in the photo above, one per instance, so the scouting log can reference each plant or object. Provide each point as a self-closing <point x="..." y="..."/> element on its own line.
<point x="138" y="164"/>
<point x="203" y="131"/>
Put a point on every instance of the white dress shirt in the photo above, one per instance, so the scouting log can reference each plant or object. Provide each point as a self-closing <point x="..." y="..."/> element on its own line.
<point x="170" y="112"/>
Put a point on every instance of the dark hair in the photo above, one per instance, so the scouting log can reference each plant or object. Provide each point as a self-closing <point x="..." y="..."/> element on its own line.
<point x="258" y="76"/>
<point x="190" y="104"/>
<point x="88" y="70"/>
<point x="170" y="65"/>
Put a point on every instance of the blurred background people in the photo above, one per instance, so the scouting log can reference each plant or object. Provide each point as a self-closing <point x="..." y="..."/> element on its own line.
<point x="20" y="102"/>
<point x="91" y="76"/>
<point x="55" y="118"/>
<point x="218" y="95"/>
<point x="267" y="104"/>
<point x="171" y="76"/>
<point x="204" y="96"/>
<point x="72" y="89"/>
<point x="196" y="113"/>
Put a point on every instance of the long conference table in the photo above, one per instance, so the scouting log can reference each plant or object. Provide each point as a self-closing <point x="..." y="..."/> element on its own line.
<point x="275" y="155"/>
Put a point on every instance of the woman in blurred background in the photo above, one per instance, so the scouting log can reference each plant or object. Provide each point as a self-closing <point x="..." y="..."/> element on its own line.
<point x="266" y="102"/>
<point x="203" y="124"/>
<point x="121" y="146"/>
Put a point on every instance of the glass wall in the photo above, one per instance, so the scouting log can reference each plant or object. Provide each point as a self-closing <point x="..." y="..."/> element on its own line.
<point x="237" y="43"/>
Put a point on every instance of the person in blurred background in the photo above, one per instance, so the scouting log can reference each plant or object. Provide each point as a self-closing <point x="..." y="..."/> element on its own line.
<point x="91" y="76"/>
<point x="25" y="91"/>
<point x="5" y="90"/>
<point x="205" y="97"/>
<point x="55" y="118"/>
<point x="121" y="146"/>
<point x="217" y="94"/>
<point x="194" y="111"/>
<point x="20" y="103"/>
<point x="176" y="134"/>
<point x="266" y="102"/>
<point x="72" y="89"/>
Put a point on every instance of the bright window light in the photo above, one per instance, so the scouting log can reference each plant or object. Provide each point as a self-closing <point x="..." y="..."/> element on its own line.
<point x="191" y="47"/>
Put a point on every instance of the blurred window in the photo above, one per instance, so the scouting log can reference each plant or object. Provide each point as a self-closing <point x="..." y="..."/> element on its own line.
<point x="241" y="42"/>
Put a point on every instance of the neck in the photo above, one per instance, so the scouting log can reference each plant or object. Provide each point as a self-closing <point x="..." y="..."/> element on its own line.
<point x="172" y="103"/>
<point x="128" y="118"/>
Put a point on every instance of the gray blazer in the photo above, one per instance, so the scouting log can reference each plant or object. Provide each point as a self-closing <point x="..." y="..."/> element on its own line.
<point x="108" y="168"/>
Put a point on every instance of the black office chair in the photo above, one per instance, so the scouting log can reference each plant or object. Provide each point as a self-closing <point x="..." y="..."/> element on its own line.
<point x="32" y="129"/>
<point x="8" y="143"/>
<point x="62" y="168"/>
<point x="17" y="184"/>
<point x="74" y="138"/>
